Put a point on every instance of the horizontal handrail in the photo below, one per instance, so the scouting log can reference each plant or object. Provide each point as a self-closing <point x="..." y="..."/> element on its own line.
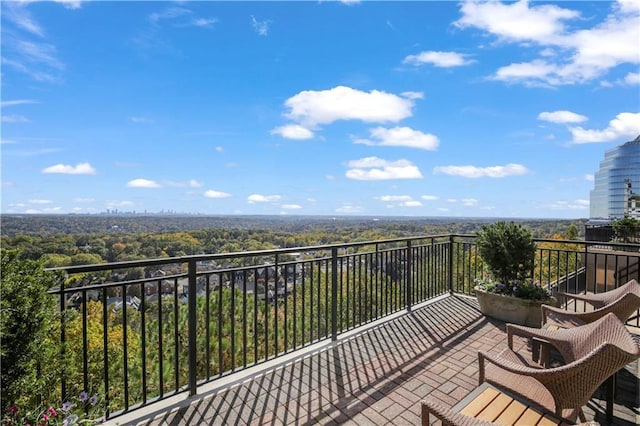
<point x="184" y="321"/>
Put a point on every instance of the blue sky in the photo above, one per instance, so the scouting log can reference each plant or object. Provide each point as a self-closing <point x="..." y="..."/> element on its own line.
<point x="483" y="109"/>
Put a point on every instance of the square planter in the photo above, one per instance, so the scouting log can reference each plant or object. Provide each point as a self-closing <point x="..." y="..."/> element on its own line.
<point x="511" y="309"/>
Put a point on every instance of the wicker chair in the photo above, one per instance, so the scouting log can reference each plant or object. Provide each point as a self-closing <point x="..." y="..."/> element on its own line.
<point x="578" y="342"/>
<point x="448" y="417"/>
<point x="622" y="301"/>
<point x="567" y="388"/>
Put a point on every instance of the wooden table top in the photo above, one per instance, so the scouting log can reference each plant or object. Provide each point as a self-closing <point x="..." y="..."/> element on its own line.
<point x="492" y="405"/>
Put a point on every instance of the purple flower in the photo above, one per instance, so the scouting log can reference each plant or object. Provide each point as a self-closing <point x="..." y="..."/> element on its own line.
<point x="66" y="407"/>
<point x="83" y="396"/>
<point x="93" y="400"/>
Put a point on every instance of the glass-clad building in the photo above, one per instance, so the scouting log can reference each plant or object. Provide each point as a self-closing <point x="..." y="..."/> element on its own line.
<point x="617" y="179"/>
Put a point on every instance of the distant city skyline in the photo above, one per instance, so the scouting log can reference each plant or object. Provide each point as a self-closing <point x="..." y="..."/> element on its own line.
<point x="425" y="109"/>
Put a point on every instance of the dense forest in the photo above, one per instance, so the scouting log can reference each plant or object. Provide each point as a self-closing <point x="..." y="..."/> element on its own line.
<point x="63" y="240"/>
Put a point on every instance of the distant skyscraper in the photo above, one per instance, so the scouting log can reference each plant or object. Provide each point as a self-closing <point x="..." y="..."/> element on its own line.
<point x="619" y="169"/>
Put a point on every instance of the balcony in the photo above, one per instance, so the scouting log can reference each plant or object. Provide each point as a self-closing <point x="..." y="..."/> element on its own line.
<point x="334" y="334"/>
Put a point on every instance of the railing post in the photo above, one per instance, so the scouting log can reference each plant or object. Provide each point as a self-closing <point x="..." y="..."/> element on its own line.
<point x="409" y="279"/>
<point x="451" y="243"/>
<point x="192" y="305"/>
<point x="334" y="293"/>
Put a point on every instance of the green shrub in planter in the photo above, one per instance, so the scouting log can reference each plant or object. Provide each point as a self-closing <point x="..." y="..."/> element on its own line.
<point x="508" y="251"/>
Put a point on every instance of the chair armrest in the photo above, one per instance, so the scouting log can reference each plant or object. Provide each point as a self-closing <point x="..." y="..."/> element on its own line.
<point x="505" y="362"/>
<point x="567" y="318"/>
<point x="589" y="298"/>
<point x="529" y="332"/>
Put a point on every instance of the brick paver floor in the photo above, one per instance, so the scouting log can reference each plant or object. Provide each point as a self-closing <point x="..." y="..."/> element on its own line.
<point x="376" y="377"/>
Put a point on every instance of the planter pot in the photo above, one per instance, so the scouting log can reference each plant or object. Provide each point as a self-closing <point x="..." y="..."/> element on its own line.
<point x="511" y="309"/>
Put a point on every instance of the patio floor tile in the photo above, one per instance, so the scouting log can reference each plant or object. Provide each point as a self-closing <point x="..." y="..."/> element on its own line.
<point x="377" y="377"/>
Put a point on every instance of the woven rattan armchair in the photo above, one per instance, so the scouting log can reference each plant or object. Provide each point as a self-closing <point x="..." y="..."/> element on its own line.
<point x="578" y="342"/>
<point x="622" y="301"/>
<point x="564" y="390"/>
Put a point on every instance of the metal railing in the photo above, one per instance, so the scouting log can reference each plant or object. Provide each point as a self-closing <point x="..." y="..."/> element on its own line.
<point x="141" y="331"/>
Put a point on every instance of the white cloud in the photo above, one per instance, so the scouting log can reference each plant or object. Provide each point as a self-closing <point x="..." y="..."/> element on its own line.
<point x="17" y="13"/>
<point x="40" y="201"/>
<point x="143" y="183"/>
<point x="629" y="6"/>
<point x="311" y="108"/>
<point x="438" y="59"/>
<point x="260" y="27"/>
<point x="79" y="169"/>
<point x="39" y="53"/>
<point x="24" y="53"/>
<point x="36" y="74"/>
<point x="43" y="211"/>
<point x="14" y="119"/>
<point x="373" y="168"/>
<point x="469" y="202"/>
<point x="626" y="124"/>
<point x="569" y="56"/>
<point x="180" y="17"/>
<point x="192" y="183"/>
<point x="293" y="131"/>
<point x="401" y="136"/>
<point x="478" y="172"/>
<point x="349" y="208"/>
<point x="259" y="198"/>
<point x="216" y="194"/>
<point x="516" y="21"/>
<point x="412" y="95"/>
<point x="71" y="4"/>
<point x="5" y="104"/>
<point x="429" y="197"/>
<point x="367" y="162"/>
<point x="562" y="117"/>
<point x="389" y="198"/>
<point x="401" y="200"/>
<point x="204" y="22"/>
<point x="589" y="177"/>
<point x="632" y="78"/>
<point x="596" y="50"/>
<point x="535" y="72"/>
<point x="169" y="13"/>
<point x="219" y="149"/>
<point x="84" y="200"/>
<point x="291" y="206"/>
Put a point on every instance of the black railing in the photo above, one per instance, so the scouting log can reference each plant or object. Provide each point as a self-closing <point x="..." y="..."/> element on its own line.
<point x="137" y="332"/>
